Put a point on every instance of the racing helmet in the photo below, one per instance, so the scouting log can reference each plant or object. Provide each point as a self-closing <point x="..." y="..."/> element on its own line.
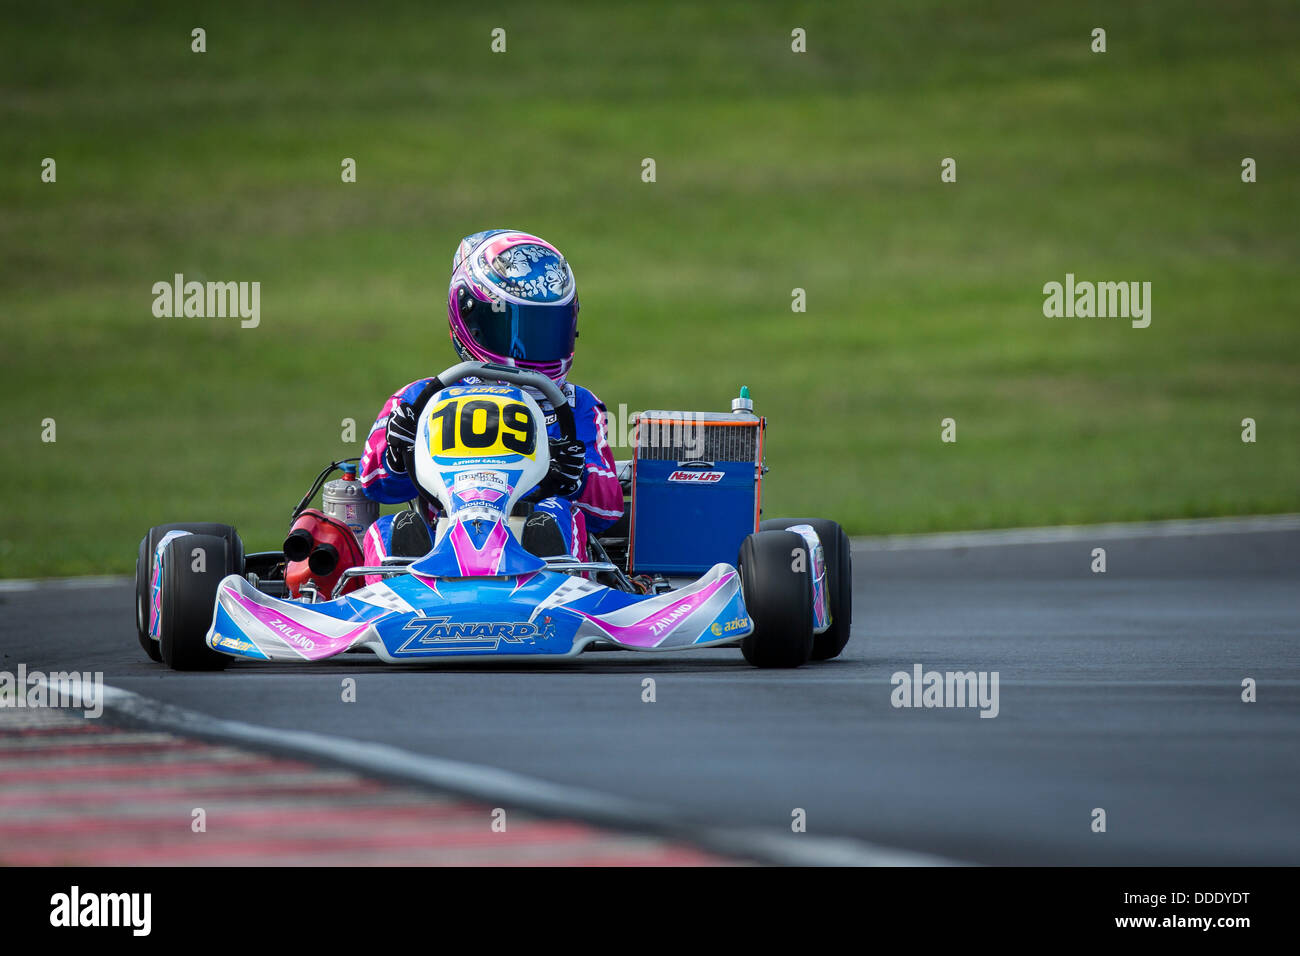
<point x="512" y="300"/>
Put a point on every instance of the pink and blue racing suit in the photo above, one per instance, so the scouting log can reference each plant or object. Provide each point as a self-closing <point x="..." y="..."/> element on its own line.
<point x="598" y="504"/>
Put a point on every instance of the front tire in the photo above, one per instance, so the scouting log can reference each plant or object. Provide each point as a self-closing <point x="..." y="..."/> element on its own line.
<point x="778" y="596"/>
<point x="838" y="553"/>
<point x="144" y="569"/>
<point x="188" y="598"/>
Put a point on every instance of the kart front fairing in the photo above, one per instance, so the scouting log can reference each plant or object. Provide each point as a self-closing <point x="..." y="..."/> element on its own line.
<point x="416" y="617"/>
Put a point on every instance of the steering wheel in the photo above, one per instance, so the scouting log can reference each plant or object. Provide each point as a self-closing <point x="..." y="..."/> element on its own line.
<point x="514" y="376"/>
<point x="497" y="373"/>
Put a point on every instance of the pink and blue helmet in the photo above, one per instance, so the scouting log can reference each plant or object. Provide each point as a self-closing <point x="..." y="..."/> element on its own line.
<point x="512" y="300"/>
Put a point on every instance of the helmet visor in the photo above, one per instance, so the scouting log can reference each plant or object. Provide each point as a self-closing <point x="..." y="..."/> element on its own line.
<point x="526" y="333"/>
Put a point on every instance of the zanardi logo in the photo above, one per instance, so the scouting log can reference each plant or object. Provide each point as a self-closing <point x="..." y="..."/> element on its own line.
<point x="292" y="635"/>
<point x="697" y="477"/>
<point x="432" y="635"/>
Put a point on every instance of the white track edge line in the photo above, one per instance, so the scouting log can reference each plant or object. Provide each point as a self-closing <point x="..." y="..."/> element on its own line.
<point x="1180" y="527"/>
<point x="8" y="585"/>
<point x="504" y="786"/>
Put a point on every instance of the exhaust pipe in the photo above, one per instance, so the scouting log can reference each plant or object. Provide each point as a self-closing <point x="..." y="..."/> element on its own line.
<point x="298" y="545"/>
<point x="324" y="559"/>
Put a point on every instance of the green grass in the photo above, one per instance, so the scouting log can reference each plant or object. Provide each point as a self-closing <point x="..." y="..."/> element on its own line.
<point x="775" y="171"/>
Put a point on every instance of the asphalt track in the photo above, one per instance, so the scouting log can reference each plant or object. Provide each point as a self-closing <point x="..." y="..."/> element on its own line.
<point x="1119" y="691"/>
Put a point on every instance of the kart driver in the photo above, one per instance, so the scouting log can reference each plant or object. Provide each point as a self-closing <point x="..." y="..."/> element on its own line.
<point x="532" y="326"/>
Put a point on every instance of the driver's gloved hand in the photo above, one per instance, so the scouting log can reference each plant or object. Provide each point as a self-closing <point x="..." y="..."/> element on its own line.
<point x="568" y="467"/>
<point x="400" y="433"/>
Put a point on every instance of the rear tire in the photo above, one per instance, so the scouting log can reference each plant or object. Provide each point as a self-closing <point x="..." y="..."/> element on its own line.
<point x="144" y="566"/>
<point x="839" y="582"/>
<point x="188" y="598"/>
<point x="778" y="599"/>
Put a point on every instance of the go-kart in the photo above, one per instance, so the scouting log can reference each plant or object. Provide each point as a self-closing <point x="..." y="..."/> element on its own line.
<point x="481" y="448"/>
